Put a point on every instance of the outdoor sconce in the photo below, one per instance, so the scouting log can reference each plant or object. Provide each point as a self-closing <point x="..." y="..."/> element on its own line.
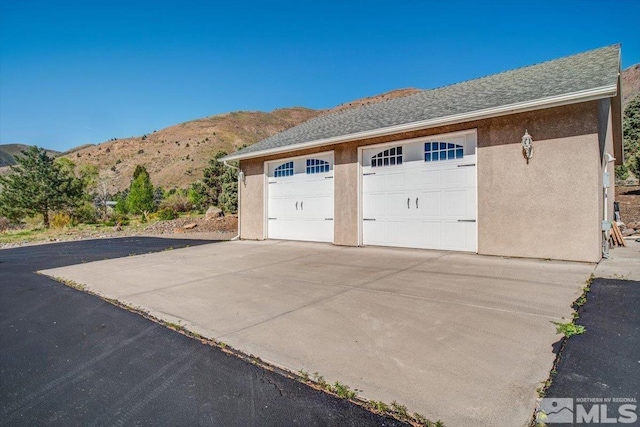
<point x="527" y="146"/>
<point x="241" y="176"/>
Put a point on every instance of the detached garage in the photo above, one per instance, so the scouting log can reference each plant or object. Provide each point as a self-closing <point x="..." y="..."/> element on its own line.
<point x="513" y="164"/>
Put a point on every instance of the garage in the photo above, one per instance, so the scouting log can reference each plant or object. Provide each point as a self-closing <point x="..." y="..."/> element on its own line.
<point x="300" y="198"/>
<point x="421" y="193"/>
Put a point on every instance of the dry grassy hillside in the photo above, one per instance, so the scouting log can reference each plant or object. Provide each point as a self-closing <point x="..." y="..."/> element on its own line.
<point x="630" y="84"/>
<point x="175" y="156"/>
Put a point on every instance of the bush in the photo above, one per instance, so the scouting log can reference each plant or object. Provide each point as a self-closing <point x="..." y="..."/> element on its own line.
<point x="167" y="214"/>
<point x="85" y="213"/>
<point x="60" y="220"/>
<point x="4" y="224"/>
<point x="177" y="202"/>
<point x="118" y="219"/>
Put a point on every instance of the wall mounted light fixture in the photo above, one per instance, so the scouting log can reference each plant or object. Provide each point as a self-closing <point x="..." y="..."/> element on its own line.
<point x="527" y="146"/>
<point x="241" y="176"/>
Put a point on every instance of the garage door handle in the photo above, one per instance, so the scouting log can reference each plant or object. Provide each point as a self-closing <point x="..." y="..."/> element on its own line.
<point x="466" y="220"/>
<point x="328" y="219"/>
<point x="368" y="219"/>
<point x="370" y="173"/>
<point x="408" y="202"/>
<point x="416" y="203"/>
<point x="273" y="218"/>
<point x="296" y="205"/>
<point x="468" y="164"/>
<point x="301" y="206"/>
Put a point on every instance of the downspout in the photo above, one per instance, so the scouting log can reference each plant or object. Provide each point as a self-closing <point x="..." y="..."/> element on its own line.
<point x="240" y="179"/>
<point x="606" y="225"/>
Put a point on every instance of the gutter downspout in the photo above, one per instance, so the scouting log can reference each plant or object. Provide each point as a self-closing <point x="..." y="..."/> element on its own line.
<point x="239" y="195"/>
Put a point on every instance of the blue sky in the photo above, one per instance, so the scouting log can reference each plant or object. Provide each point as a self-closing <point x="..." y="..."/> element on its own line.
<point x="78" y="72"/>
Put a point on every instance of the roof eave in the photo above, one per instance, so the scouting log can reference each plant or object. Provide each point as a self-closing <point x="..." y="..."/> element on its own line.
<point x="549" y="102"/>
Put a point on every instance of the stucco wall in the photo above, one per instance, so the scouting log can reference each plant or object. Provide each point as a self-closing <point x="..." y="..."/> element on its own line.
<point x="550" y="207"/>
<point x="547" y="209"/>
<point x="252" y="200"/>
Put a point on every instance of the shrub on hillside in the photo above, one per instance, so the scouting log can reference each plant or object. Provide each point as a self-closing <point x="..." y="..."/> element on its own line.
<point x="4" y="224"/>
<point x="85" y="213"/>
<point x="60" y="220"/>
<point x="167" y="214"/>
<point x="177" y="202"/>
<point x="118" y="219"/>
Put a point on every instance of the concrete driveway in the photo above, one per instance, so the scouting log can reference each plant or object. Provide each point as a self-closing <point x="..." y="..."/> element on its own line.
<point x="458" y="337"/>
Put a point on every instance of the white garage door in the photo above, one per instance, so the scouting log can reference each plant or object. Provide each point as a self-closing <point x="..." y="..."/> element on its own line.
<point x="300" y="198"/>
<point x="421" y="194"/>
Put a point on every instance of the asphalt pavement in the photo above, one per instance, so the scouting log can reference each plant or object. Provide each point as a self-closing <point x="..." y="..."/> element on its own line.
<point x="68" y="358"/>
<point x="602" y="366"/>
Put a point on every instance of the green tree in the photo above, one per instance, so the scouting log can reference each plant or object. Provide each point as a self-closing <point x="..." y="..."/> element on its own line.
<point x="39" y="185"/>
<point x="631" y="132"/>
<point x="228" y="200"/>
<point x="196" y="195"/>
<point x="140" y="198"/>
<point x="219" y="186"/>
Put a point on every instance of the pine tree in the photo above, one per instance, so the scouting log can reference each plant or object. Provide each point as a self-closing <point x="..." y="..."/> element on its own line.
<point x="140" y="198"/>
<point x="219" y="186"/>
<point x="39" y="185"/>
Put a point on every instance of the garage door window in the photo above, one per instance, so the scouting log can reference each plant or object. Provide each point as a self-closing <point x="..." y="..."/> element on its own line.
<point x="285" y="169"/>
<point x="317" y="166"/>
<point x="390" y="157"/>
<point x="435" y="151"/>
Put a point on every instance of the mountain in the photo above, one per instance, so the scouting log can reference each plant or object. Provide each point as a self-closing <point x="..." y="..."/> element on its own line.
<point x="630" y="84"/>
<point x="9" y="151"/>
<point x="175" y="156"/>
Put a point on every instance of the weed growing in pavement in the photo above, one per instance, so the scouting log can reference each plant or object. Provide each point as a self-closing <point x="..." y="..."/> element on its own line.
<point x="319" y="379"/>
<point x="399" y="409"/>
<point x="343" y="391"/>
<point x="569" y="329"/>
<point x="304" y="375"/>
<point x="379" y="406"/>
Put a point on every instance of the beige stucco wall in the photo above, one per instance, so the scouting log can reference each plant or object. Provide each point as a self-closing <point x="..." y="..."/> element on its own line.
<point x="252" y="200"/>
<point x="549" y="208"/>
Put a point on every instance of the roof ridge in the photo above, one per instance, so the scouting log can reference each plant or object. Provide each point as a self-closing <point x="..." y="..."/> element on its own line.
<point x="617" y="45"/>
<point x="422" y="91"/>
<point x="589" y="70"/>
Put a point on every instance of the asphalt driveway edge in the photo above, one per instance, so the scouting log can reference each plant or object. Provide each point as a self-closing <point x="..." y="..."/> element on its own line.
<point x="394" y="411"/>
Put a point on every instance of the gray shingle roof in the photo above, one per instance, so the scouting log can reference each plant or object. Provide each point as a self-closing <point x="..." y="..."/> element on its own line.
<point x="585" y="71"/>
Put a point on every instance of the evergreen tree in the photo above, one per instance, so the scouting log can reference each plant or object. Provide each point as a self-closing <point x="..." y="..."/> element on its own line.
<point x="219" y="186"/>
<point x="39" y="185"/>
<point x="140" y="199"/>
<point x="631" y="132"/>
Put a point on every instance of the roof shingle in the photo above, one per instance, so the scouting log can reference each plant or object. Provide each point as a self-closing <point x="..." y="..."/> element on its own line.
<point x="581" y="72"/>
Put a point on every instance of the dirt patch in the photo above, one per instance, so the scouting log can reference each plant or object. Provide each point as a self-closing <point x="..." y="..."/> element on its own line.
<point x="225" y="224"/>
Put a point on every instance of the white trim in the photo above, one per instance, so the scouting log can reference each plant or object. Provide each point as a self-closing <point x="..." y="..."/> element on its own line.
<point x="549" y="102"/>
<point x="359" y="189"/>
<point x="265" y="202"/>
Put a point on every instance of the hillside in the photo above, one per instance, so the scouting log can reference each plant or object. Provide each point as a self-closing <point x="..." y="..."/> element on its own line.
<point x="9" y="151"/>
<point x="176" y="156"/>
<point x="630" y="84"/>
